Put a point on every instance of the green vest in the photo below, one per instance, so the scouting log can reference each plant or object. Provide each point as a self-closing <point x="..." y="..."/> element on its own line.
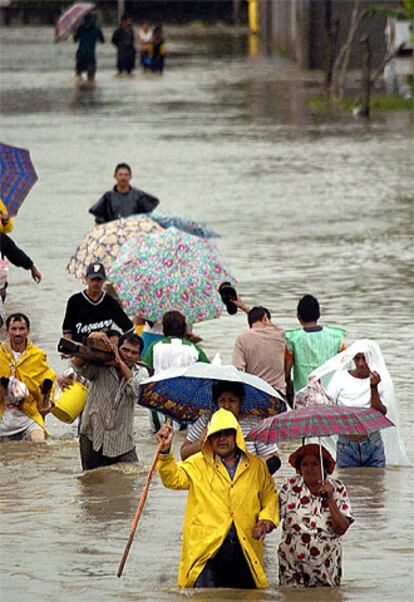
<point x="311" y="350"/>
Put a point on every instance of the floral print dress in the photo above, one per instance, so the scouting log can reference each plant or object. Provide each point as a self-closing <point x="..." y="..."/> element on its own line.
<point x="310" y="551"/>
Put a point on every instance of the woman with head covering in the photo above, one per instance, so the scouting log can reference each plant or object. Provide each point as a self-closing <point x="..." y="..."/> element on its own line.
<point x="314" y="512"/>
<point x="359" y="377"/>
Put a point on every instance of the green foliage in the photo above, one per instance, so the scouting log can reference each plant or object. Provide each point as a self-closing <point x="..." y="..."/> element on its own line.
<point x="379" y="103"/>
<point x="404" y="12"/>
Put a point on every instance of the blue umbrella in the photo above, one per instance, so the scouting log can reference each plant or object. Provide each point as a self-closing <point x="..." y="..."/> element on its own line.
<point x="17" y="176"/>
<point x="168" y="220"/>
<point x="184" y="394"/>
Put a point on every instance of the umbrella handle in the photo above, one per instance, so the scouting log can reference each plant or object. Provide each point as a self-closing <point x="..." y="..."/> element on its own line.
<point x="139" y="510"/>
<point x="322" y="466"/>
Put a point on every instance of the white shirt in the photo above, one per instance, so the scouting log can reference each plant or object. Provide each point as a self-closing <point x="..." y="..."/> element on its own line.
<point x="347" y="390"/>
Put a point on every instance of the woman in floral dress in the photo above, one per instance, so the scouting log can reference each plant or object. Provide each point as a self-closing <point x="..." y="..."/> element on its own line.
<point x="314" y="512"/>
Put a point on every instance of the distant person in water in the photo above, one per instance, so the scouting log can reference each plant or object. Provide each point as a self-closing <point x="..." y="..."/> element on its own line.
<point x="123" y="200"/>
<point x="156" y="51"/>
<point x="144" y="38"/>
<point x="123" y="39"/>
<point x="87" y="34"/>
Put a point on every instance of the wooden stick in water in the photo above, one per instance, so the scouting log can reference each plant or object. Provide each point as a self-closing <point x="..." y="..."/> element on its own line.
<point x="139" y="510"/>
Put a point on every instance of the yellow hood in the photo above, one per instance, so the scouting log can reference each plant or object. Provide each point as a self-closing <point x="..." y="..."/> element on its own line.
<point x="216" y="502"/>
<point x="221" y="420"/>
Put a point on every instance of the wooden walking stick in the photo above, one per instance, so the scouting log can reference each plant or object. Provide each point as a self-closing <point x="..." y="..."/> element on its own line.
<point x="139" y="510"/>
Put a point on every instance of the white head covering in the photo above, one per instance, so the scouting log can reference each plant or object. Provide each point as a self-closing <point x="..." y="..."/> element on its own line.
<point x="395" y="453"/>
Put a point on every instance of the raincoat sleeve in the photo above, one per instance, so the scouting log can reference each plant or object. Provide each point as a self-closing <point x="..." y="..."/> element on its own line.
<point x="172" y="474"/>
<point x="269" y="499"/>
<point x="100" y="210"/>
<point x="116" y="38"/>
<point x="145" y="203"/>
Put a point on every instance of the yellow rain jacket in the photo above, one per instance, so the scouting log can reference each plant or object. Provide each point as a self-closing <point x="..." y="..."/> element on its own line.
<point x="9" y="226"/>
<point x="215" y="502"/>
<point x="31" y="368"/>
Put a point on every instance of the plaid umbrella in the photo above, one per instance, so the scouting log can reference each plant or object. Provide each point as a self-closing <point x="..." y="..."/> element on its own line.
<point x="170" y="270"/>
<point x="103" y="244"/>
<point x="319" y="421"/>
<point x="168" y="220"/>
<point x="71" y="18"/>
<point x="17" y="176"/>
<point x="184" y="394"/>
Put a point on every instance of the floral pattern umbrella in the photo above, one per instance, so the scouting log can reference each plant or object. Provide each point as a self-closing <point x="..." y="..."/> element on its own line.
<point x="103" y="244"/>
<point x="17" y="176"/>
<point x="319" y="421"/>
<point x="167" y="271"/>
<point x="168" y="220"/>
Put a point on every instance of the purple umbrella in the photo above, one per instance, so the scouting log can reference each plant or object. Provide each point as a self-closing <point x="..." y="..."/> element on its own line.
<point x="17" y="176"/>
<point x="71" y="18"/>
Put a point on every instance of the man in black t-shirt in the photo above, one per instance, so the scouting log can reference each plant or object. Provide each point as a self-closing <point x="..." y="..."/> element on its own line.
<point x="93" y="309"/>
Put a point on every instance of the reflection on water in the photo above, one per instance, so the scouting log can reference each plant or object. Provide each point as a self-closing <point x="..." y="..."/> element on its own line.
<point x="305" y="202"/>
<point x="108" y="494"/>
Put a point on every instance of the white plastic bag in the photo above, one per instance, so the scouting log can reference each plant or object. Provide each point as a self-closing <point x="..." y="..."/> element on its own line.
<point x="313" y="394"/>
<point x="16" y="391"/>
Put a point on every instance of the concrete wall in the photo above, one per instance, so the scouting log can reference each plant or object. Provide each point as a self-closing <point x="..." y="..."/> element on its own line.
<point x="297" y="28"/>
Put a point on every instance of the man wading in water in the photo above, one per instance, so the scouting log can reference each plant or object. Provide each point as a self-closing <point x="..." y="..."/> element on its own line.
<point x="232" y="504"/>
<point x="123" y="200"/>
<point x="93" y="309"/>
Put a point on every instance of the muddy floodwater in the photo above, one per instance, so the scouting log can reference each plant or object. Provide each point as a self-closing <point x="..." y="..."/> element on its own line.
<point x="305" y="202"/>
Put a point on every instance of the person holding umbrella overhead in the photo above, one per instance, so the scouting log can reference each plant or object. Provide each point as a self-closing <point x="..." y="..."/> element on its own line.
<point x="229" y="395"/>
<point x="315" y="512"/>
<point x="87" y="34"/>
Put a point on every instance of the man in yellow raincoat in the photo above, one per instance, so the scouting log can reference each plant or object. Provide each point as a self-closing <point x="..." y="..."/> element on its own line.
<point x="20" y="358"/>
<point x="232" y="504"/>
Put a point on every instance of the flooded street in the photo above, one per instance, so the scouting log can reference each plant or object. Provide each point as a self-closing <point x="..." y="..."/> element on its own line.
<point x="306" y="203"/>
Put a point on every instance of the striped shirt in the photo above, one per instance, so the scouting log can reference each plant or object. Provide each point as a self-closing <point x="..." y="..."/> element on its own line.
<point x="247" y="423"/>
<point x="108" y="417"/>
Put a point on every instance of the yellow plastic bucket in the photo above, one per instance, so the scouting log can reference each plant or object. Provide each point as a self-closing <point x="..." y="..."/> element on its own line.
<point x="70" y="403"/>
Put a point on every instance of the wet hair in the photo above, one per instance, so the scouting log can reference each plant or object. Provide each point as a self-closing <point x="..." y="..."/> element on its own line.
<point x="225" y="386"/>
<point x="256" y="314"/>
<point x="308" y="309"/>
<point x="113" y="333"/>
<point x="17" y="318"/>
<point x="123" y="166"/>
<point x="133" y="339"/>
<point x="174" y="324"/>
